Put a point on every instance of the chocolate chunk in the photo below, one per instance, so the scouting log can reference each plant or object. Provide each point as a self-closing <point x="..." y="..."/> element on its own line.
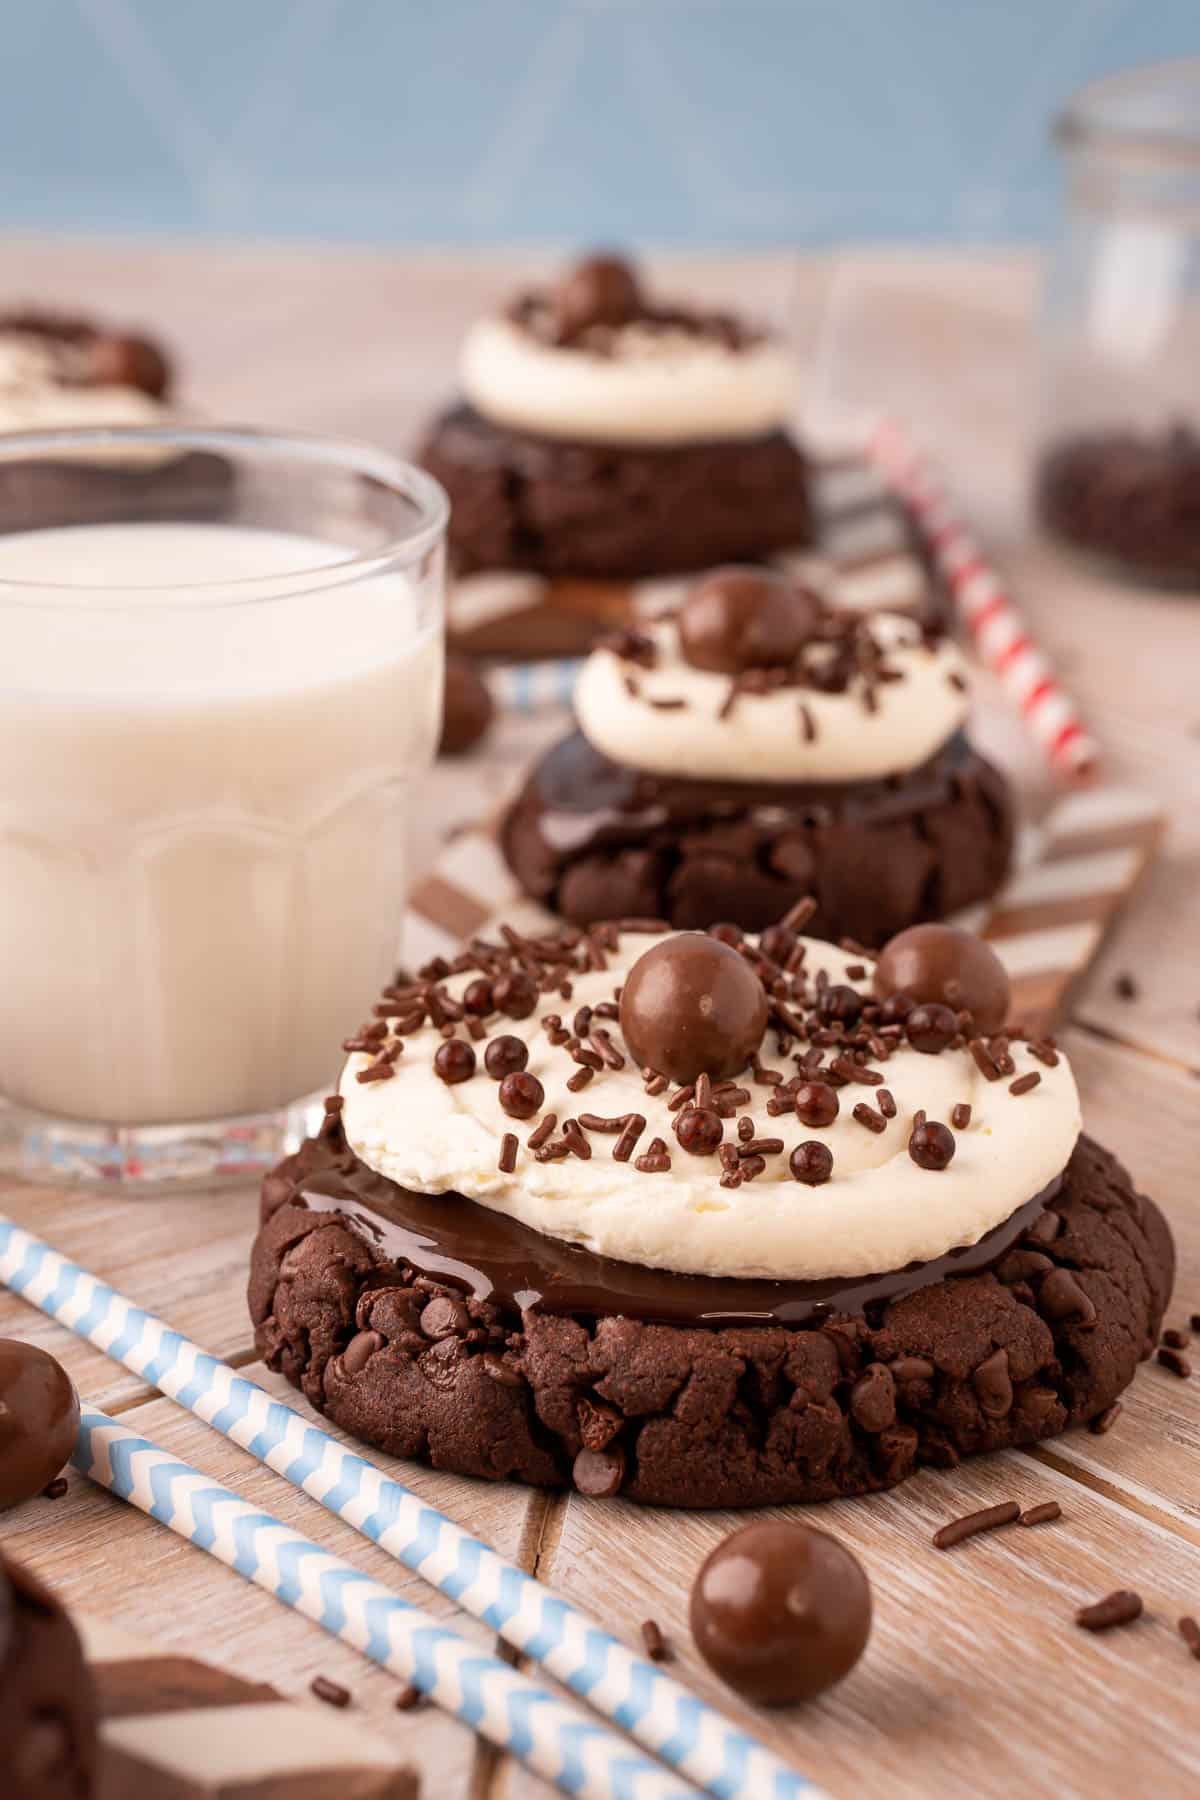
<point x="873" y="1398"/>
<point x="781" y="1612"/>
<point x="445" y="1317"/>
<point x="745" y="618"/>
<point x="816" y="1103"/>
<point x="599" y="1473"/>
<point x="360" y="1350"/>
<point x="1061" y="1299"/>
<point x="690" y="1006"/>
<point x="943" y="965"/>
<point x="467" y="707"/>
<point x="39" y="1420"/>
<point x="993" y="1385"/>
<point x="454" y="1061"/>
<point x="505" y="1055"/>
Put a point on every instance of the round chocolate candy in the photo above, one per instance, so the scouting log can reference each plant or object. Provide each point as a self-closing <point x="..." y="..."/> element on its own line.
<point x="699" y="1130"/>
<point x="454" y="1061"/>
<point x="737" y="619"/>
<point x="39" y="1420"/>
<point x="505" y="1055"/>
<point x="521" y="1094"/>
<point x="940" y="963"/>
<point x="120" y="359"/>
<point x="467" y="707"/>
<point x="598" y="290"/>
<point x="816" y="1103"/>
<point x="781" y="1611"/>
<point x="930" y="1027"/>
<point x="811" y="1163"/>
<point x="515" y="994"/>
<point x="931" y="1145"/>
<point x="692" y="1006"/>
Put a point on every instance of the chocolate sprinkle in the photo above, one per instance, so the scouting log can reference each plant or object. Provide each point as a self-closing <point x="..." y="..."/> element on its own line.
<point x="508" y="1154"/>
<point x="1173" y="1360"/>
<point x="1176" y="1340"/>
<point x="960" y="1116"/>
<point x="655" y="1160"/>
<point x="543" y="1132"/>
<point x="1025" y="1084"/>
<point x="866" y="1115"/>
<point x="656" y="1644"/>
<point x="1119" y="1608"/>
<point x="409" y="1698"/>
<point x="56" y="1489"/>
<point x="1189" y="1631"/>
<point x="989" y="1518"/>
<point x="332" y="1692"/>
<point x="1104" y="1422"/>
<point x="1042" y="1514"/>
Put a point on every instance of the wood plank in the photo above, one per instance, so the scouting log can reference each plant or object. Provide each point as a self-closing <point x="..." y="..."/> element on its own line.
<point x="975" y="1680"/>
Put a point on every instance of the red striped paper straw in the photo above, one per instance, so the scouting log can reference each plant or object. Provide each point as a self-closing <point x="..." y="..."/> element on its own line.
<point x="986" y="608"/>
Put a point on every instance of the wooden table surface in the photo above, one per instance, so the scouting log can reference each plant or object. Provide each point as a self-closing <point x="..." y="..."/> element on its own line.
<point x="975" y="1678"/>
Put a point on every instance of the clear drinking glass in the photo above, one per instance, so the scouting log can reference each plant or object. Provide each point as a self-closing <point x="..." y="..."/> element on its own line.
<point x="1118" y="473"/>
<point x="220" y="685"/>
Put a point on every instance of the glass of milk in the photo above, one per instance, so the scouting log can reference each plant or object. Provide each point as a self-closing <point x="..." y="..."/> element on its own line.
<point x="220" y="689"/>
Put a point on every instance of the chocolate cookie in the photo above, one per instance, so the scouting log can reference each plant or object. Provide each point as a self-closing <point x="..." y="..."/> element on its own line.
<point x="613" y="512"/>
<point x="47" y="1701"/>
<point x="1130" y="497"/>
<point x="1038" y="1328"/>
<point x="593" y="839"/>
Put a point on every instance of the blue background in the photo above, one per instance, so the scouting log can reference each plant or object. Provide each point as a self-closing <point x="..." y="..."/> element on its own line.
<point x="487" y="121"/>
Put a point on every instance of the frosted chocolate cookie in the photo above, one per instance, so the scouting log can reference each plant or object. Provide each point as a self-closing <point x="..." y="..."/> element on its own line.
<point x="756" y="746"/>
<point x="705" y="1221"/>
<point x="606" y="438"/>
<point x="66" y="373"/>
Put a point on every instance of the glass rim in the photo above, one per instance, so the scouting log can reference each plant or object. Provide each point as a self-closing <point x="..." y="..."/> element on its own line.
<point x="396" y="473"/>
<point x="1087" y="120"/>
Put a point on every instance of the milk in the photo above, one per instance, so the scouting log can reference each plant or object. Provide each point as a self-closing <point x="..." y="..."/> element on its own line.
<point x="202" y="813"/>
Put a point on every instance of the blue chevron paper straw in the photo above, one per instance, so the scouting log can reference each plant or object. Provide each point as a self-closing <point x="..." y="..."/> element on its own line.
<point x="532" y="687"/>
<point x="633" y="1692"/>
<point x="578" y="1754"/>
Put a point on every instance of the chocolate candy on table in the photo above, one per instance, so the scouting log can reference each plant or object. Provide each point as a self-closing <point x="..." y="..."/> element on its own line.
<point x="781" y="1611"/>
<point x="692" y="1006"/>
<point x="467" y="707"/>
<point x="39" y="1420"/>
<point x="746" y="618"/>
<point x="944" y="965"/>
<point x="597" y="290"/>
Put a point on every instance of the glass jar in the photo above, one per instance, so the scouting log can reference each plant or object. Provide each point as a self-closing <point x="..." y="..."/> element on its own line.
<point x="1118" y="469"/>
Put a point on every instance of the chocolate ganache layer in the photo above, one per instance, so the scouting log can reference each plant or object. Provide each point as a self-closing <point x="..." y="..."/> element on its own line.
<point x="592" y="839"/>
<point x="490" y="1257"/>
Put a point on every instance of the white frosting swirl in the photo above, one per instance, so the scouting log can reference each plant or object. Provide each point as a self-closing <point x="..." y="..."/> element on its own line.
<point x="878" y="1212"/>
<point x="654" y="386"/>
<point x="762" y="736"/>
<point x="37" y="393"/>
